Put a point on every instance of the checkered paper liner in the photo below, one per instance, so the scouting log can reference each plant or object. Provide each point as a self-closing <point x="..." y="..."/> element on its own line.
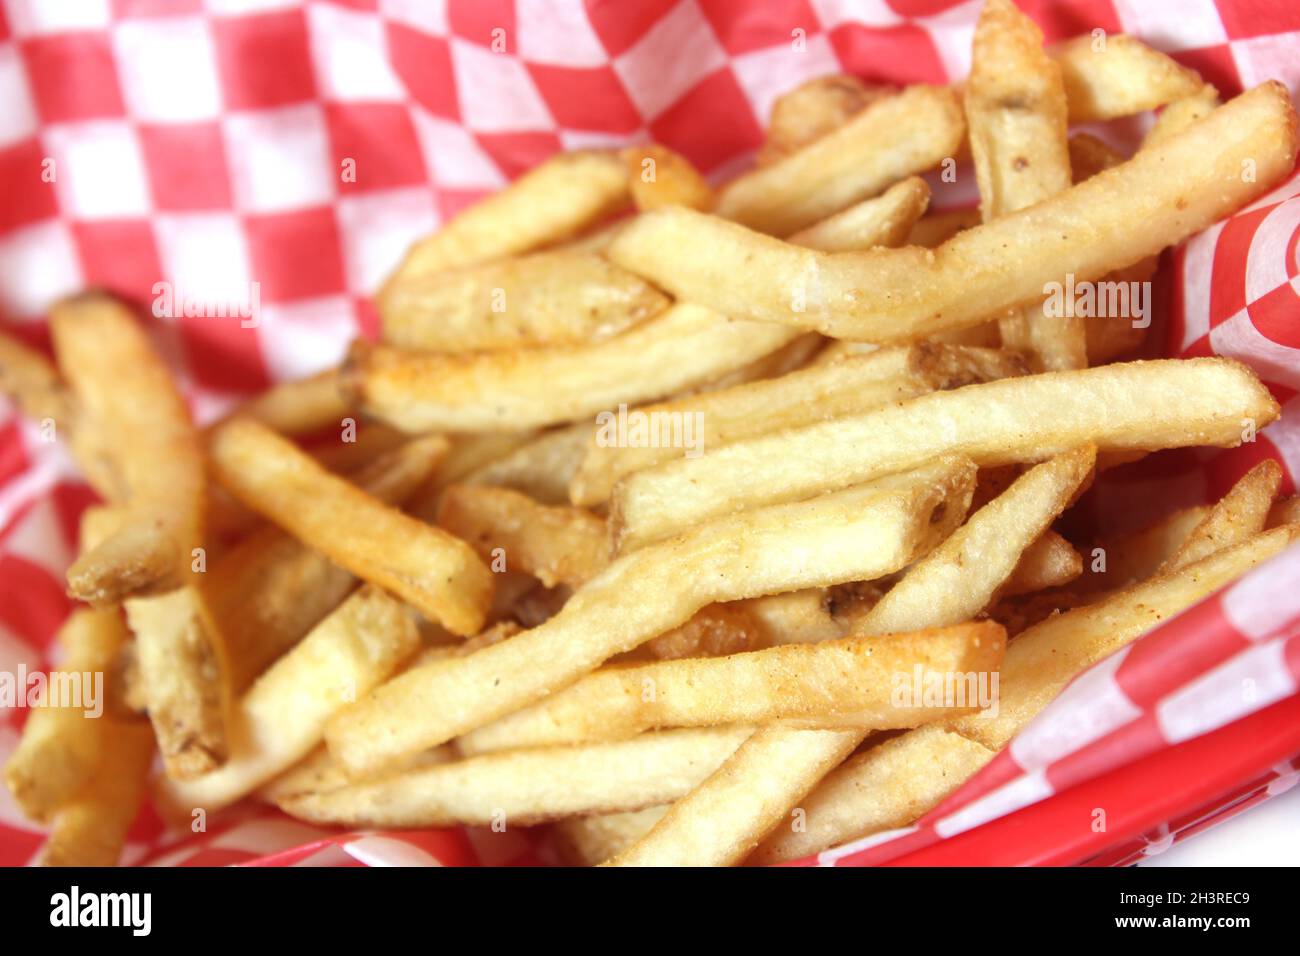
<point x="200" y="142"/>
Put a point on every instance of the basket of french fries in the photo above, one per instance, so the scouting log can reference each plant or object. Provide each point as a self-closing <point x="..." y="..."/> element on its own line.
<point x="679" y="438"/>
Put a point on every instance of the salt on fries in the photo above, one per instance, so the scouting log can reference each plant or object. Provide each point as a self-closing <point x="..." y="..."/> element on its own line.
<point x="624" y="544"/>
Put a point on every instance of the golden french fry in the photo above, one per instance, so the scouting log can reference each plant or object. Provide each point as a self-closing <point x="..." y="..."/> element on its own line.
<point x="1238" y="516"/>
<point x="91" y="830"/>
<point x="1286" y="511"/>
<point x="1180" y="114"/>
<point x="796" y="617"/>
<point x="713" y="420"/>
<point x="141" y="434"/>
<point x="841" y="683"/>
<point x="1110" y="221"/>
<point x="713" y="631"/>
<point x="541" y="468"/>
<point x="557" y="545"/>
<point x="1090" y="156"/>
<point x="1015" y="106"/>
<point x="299" y="407"/>
<point x="547" y="298"/>
<point x="886" y="787"/>
<point x="956" y="581"/>
<point x="558" y="199"/>
<point x="318" y="772"/>
<point x="814" y="109"/>
<point x="434" y="572"/>
<point x="938" y="227"/>
<point x="894" y="137"/>
<point x="270" y="589"/>
<point x="884" y="220"/>
<point x="523" y="787"/>
<point x="34" y="384"/>
<point x="660" y="176"/>
<point x="61" y="740"/>
<point x="861" y="533"/>
<point x="282" y="716"/>
<point x="1111" y="76"/>
<point x="1133" y="557"/>
<point x="1133" y="406"/>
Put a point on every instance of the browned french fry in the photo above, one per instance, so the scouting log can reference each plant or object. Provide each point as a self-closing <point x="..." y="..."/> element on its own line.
<point x="541" y="468"/>
<point x="1049" y="562"/>
<point x="892" y="138"/>
<point x="936" y="228"/>
<point x="299" y="407"/>
<point x="34" y="384"/>
<point x="884" y="220"/>
<point x="436" y="573"/>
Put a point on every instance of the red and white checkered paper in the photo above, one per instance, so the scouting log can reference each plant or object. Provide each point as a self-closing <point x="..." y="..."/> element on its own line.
<point x="201" y="142"/>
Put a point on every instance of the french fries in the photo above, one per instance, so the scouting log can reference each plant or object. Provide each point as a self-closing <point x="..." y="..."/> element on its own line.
<point x="556" y="200"/>
<point x="660" y="177"/>
<point x="436" y="573"/>
<point x="894" y="137"/>
<point x="282" y="716"/>
<point x="523" y="787"/>
<point x="34" y="384"/>
<point x="812" y="110"/>
<point x="143" y="438"/>
<point x="851" y="385"/>
<point x="884" y="220"/>
<point x="1237" y="517"/>
<point x="861" y="533"/>
<point x="1199" y="402"/>
<point x="889" y="294"/>
<point x="60" y="745"/>
<point x="1015" y="105"/>
<point x="869" y="793"/>
<point x="301" y="407"/>
<point x="548" y="298"/>
<point x="1112" y="76"/>
<point x="845" y="682"/>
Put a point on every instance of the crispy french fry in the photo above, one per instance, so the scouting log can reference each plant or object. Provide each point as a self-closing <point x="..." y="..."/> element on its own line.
<point x="1238" y="516"/>
<point x="490" y="391"/>
<point x="660" y="176"/>
<point x="1049" y="562"/>
<point x="591" y="840"/>
<point x="1090" y="156"/>
<point x="862" y="533"/>
<point x="886" y="787"/>
<point x="796" y="617"/>
<point x="1111" y="76"/>
<point x="1199" y="402"/>
<point x="270" y="589"/>
<point x="60" y="744"/>
<point x="814" y="109"/>
<point x="892" y="138"/>
<point x="522" y="787"/>
<point x="872" y="793"/>
<point x="884" y="220"/>
<point x="436" y="573"/>
<point x="547" y="298"/>
<point x="559" y="198"/>
<point x="1130" y="558"/>
<point x="557" y="545"/>
<point x="713" y="631"/>
<point x="956" y="581"/>
<point x="831" y="390"/>
<point x="1112" y="220"/>
<point x="91" y="830"/>
<point x="318" y="772"/>
<point x="299" y="407"/>
<point x="841" y="683"/>
<point x="141" y="434"/>
<point x="34" y="384"/>
<point x="1015" y="106"/>
<point x="283" y="715"/>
